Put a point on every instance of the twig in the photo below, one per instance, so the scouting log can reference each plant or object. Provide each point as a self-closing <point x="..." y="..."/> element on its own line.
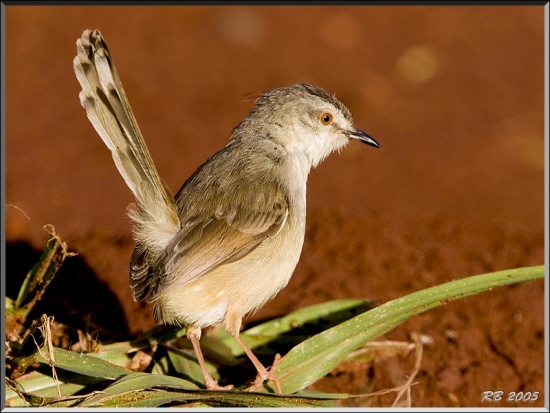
<point x="46" y="331"/>
<point x="418" y="361"/>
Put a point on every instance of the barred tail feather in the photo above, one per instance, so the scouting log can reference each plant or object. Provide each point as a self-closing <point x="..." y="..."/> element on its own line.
<point x="154" y="214"/>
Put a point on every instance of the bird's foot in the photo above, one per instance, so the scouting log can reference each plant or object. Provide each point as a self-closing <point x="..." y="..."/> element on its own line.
<point x="267" y="375"/>
<point x="212" y="384"/>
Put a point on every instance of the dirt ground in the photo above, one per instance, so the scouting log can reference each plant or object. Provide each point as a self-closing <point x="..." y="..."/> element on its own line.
<point x="454" y="95"/>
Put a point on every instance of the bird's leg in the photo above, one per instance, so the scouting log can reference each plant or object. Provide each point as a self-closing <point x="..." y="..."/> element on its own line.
<point x="263" y="373"/>
<point x="194" y="335"/>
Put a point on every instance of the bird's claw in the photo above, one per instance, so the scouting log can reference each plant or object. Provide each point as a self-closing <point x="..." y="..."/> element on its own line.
<point x="262" y="376"/>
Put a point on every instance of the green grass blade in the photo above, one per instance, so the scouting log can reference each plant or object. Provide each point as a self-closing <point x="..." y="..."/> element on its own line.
<point x="146" y="398"/>
<point x="134" y="383"/>
<point x="314" y="358"/>
<point x="283" y="333"/>
<point x="158" y="398"/>
<point x="39" y="386"/>
<point x="118" y="354"/>
<point x="42" y="273"/>
<point x="80" y="363"/>
<point x="150" y="390"/>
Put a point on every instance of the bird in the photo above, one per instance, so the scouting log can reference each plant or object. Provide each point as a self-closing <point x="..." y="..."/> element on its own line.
<point x="229" y="240"/>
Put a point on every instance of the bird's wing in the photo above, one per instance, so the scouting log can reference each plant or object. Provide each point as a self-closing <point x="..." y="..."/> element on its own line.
<point x="204" y="244"/>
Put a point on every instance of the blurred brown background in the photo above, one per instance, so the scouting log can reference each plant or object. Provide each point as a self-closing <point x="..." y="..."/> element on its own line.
<point x="453" y="94"/>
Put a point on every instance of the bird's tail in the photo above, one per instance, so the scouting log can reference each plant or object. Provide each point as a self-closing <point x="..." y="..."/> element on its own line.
<point x="154" y="214"/>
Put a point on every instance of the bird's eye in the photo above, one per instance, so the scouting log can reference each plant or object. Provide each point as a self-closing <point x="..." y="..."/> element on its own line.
<point x="326" y="118"/>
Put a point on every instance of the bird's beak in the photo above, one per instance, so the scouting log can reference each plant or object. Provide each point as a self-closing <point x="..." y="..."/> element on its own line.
<point x="363" y="137"/>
